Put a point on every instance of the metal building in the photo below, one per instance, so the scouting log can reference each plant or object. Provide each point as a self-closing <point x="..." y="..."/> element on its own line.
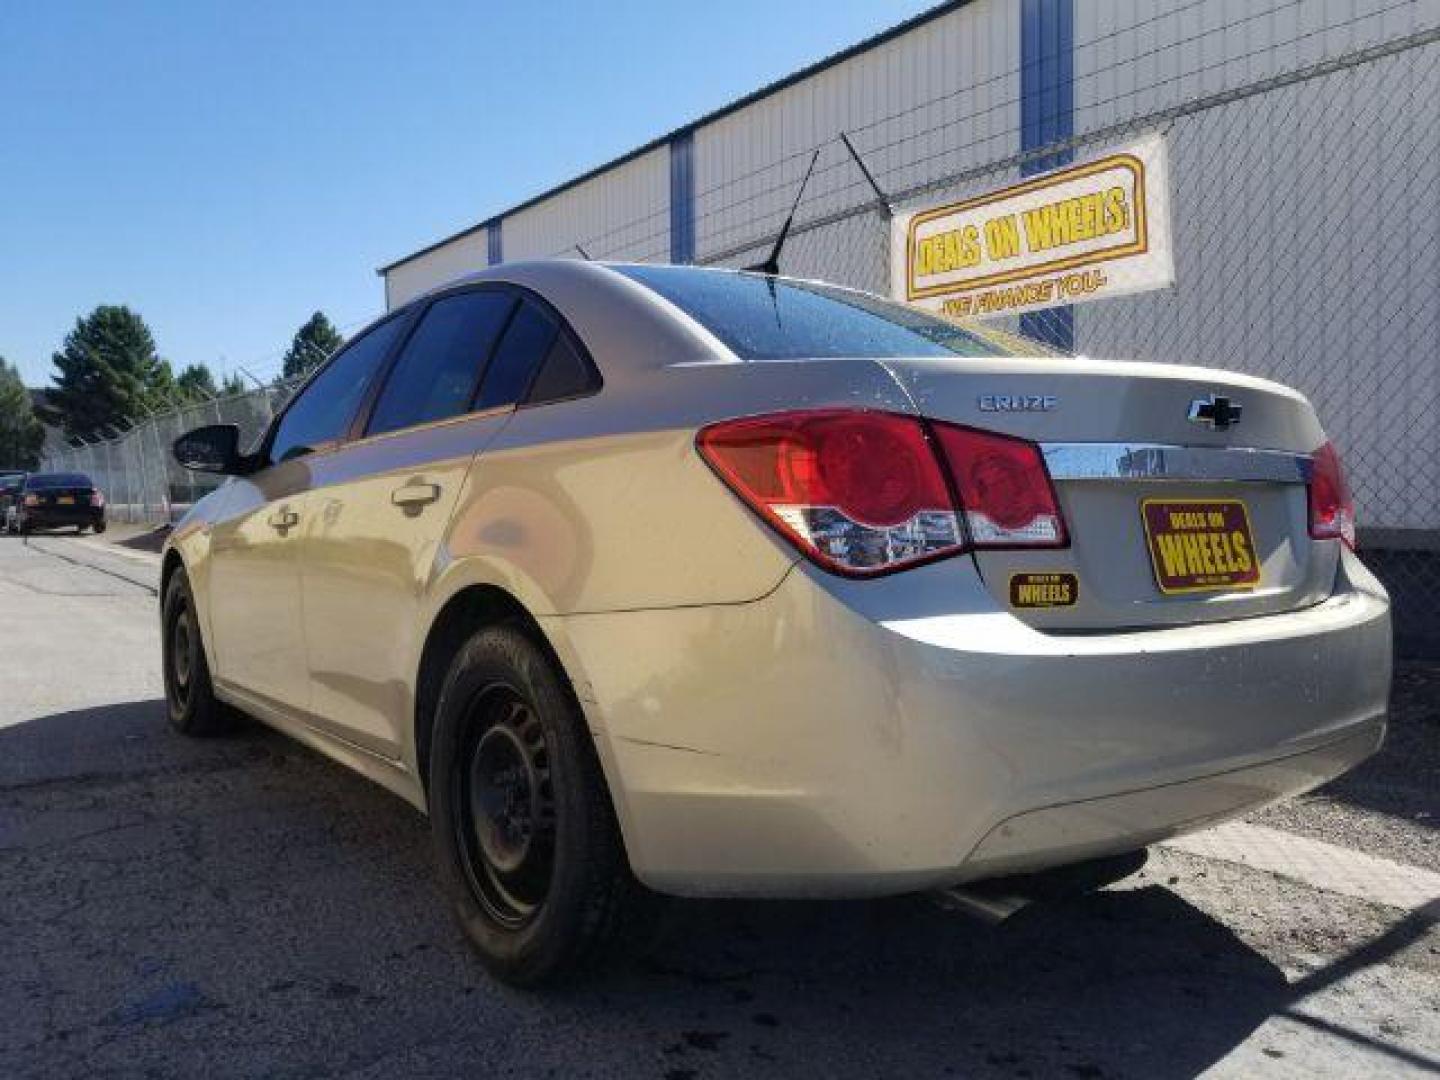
<point x="1304" y="148"/>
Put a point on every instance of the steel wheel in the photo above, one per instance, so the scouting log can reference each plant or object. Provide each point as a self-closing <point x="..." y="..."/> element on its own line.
<point x="505" y="816"/>
<point x="180" y="666"/>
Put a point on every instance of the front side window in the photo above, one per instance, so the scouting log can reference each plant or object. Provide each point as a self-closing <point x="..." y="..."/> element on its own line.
<point x="322" y="414"/>
<point x="438" y="369"/>
<point x="765" y="318"/>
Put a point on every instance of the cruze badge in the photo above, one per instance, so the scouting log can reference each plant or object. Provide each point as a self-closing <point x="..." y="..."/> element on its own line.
<point x="1018" y="402"/>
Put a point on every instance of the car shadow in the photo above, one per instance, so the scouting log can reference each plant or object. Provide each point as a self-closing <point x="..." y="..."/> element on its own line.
<point x="165" y="896"/>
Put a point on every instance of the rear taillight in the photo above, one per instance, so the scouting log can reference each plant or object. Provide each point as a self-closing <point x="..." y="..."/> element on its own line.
<point x="870" y="492"/>
<point x="96" y="498"/>
<point x="32" y="500"/>
<point x="1332" y="510"/>
<point x="1004" y="488"/>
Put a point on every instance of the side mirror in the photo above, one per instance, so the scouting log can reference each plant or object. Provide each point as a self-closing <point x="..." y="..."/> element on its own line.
<point x="212" y="449"/>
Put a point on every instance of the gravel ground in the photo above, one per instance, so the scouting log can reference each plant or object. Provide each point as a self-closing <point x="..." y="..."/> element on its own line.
<point x="1390" y="805"/>
<point x="243" y="907"/>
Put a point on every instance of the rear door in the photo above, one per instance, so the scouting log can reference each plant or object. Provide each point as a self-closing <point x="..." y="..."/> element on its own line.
<point x="255" y="574"/>
<point x="381" y="505"/>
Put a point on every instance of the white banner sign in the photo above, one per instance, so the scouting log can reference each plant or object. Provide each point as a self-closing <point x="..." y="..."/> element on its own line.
<point x="1089" y="231"/>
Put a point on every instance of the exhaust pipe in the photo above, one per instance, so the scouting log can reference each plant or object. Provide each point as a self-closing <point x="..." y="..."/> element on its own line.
<point x="995" y="900"/>
<point x="989" y="906"/>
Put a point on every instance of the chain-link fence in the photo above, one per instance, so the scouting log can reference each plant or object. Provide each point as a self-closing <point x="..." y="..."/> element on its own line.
<point x="137" y="472"/>
<point x="1305" y="180"/>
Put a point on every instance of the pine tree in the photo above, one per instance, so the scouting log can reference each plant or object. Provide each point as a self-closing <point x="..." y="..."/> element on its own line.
<point x="21" y="434"/>
<point x="313" y="343"/>
<point x="107" y="369"/>
<point x="195" y="383"/>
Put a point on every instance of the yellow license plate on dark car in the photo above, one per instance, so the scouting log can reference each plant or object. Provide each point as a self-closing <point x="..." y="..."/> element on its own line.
<point x="66" y="500"/>
<point x="1200" y="545"/>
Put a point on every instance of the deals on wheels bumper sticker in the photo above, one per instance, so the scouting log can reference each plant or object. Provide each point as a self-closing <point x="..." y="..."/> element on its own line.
<point x="1047" y="590"/>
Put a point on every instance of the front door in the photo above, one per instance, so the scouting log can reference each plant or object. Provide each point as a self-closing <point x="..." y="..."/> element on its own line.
<point x="255" y="596"/>
<point x="254" y="589"/>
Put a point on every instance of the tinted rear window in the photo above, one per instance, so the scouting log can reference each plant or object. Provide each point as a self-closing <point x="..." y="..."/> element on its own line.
<point x="58" y="480"/>
<point x="764" y="318"/>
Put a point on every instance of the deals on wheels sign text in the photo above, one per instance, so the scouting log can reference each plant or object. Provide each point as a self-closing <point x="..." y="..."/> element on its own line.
<point x="1089" y="231"/>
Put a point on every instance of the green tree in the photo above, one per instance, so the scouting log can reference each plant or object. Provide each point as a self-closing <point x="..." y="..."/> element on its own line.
<point x="232" y="385"/>
<point x="21" y="434"/>
<point x="195" y="383"/>
<point x="312" y="343"/>
<point x="107" y="369"/>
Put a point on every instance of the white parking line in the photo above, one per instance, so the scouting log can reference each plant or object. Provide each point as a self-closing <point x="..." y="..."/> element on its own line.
<point x="1314" y="862"/>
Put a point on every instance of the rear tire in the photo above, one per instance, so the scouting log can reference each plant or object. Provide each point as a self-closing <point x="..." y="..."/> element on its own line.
<point x="529" y="850"/>
<point x="99" y="527"/>
<point x="190" y="703"/>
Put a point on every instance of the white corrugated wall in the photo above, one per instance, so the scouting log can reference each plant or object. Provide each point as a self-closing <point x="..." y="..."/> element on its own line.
<point x="1303" y="217"/>
<point x="463" y="255"/>
<point x="942" y="97"/>
<point x="624" y="213"/>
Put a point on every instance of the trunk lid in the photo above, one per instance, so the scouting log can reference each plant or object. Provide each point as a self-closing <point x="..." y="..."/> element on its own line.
<point x="64" y="497"/>
<point x="1171" y="521"/>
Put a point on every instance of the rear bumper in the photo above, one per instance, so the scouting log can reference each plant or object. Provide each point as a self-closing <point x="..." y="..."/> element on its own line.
<point x="816" y="742"/>
<point x="58" y="518"/>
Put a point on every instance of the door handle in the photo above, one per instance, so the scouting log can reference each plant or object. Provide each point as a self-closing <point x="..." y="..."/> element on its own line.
<point x="283" y="519"/>
<point x="415" y="495"/>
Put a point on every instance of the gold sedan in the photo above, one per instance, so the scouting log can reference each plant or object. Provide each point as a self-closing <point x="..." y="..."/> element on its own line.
<point x="646" y="580"/>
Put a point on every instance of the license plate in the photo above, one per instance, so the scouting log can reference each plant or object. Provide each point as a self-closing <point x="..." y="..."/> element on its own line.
<point x="1200" y="545"/>
<point x="65" y="500"/>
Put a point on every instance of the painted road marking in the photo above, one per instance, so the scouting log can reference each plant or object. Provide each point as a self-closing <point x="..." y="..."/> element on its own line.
<point x="1325" y="866"/>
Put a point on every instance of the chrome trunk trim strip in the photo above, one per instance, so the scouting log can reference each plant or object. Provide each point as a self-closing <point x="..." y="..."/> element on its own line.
<point x="1157" y="461"/>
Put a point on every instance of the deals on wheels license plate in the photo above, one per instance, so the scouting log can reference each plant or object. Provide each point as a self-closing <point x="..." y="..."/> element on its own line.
<point x="1200" y="545"/>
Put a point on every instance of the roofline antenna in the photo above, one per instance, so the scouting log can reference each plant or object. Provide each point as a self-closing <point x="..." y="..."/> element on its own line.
<point x="583" y="253"/>
<point x="771" y="265"/>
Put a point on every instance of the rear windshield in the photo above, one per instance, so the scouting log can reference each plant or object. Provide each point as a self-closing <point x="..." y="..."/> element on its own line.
<point x="764" y="318"/>
<point x="58" y="480"/>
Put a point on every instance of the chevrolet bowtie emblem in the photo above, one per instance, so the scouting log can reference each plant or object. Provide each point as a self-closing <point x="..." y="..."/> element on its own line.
<point x="1215" y="411"/>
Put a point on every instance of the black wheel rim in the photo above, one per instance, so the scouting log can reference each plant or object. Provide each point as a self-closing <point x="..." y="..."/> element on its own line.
<point x="505" y="813"/>
<point x="180" y="671"/>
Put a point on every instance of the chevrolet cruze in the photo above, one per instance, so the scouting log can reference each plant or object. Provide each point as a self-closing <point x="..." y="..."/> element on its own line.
<point x="652" y="579"/>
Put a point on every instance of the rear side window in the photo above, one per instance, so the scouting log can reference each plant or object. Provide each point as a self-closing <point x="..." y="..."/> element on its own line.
<point x="438" y="369"/>
<point x="537" y="361"/>
<point x="326" y="406"/>
<point x="765" y="318"/>
<point x="563" y="374"/>
<point x="525" y="344"/>
<point x="43" y="481"/>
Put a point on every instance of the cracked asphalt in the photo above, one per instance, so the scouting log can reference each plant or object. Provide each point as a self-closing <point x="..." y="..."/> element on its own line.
<point x="242" y="907"/>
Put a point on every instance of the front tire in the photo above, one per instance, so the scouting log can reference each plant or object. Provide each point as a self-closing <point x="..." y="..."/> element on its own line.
<point x="190" y="702"/>
<point x="528" y="846"/>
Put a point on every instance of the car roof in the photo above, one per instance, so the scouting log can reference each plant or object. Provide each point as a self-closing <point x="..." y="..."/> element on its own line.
<point x="627" y="325"/>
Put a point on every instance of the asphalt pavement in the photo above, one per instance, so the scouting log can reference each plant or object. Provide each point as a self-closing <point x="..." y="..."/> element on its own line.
<point x="242" y="907"/>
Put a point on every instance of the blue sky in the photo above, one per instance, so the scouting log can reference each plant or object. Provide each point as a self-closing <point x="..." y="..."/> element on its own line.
<point x="226" y="169"/>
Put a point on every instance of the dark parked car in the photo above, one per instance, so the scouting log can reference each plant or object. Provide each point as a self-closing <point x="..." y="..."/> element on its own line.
<point x="55" y="501"/>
